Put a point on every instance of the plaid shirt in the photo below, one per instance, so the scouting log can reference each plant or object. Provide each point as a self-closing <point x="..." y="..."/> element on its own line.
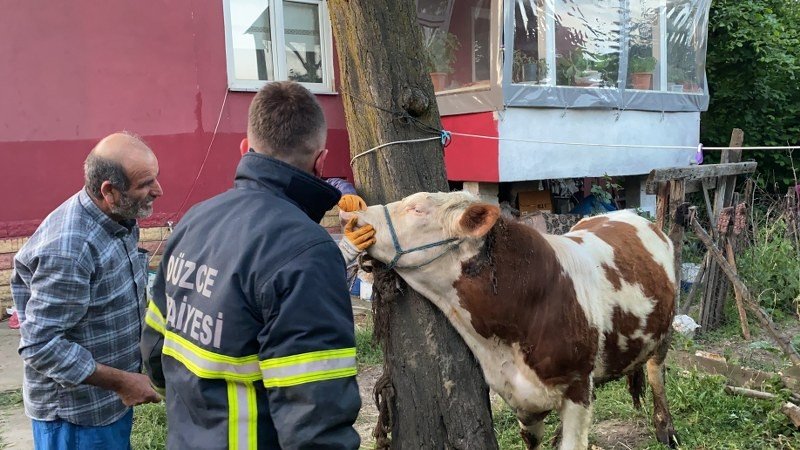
<point x="78" y="286"/>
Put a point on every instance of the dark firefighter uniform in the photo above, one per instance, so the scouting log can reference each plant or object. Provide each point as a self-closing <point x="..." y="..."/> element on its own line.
<point x="250" y="329"/>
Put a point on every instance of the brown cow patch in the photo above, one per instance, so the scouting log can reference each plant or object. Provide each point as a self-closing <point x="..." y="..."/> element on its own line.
<point x="658" y="232"/>
<point x="616" y="358"/>
<point x="577" y="239"/>
<point x="589" y="223"/>
<point x="613" y="276"/>
<point x="636" y="265"/>
<point x="515" y="290"/>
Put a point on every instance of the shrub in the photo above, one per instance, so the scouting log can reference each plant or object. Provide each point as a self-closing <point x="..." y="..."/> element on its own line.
<point x="770" y="266"/>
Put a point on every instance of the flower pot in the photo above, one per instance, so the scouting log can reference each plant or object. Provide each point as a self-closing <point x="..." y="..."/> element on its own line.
<point x="689" y="86"/>
<point x="530" y="72"/>
<point x="588" y="78"/>
<point x="642" y="80"/>
<point x="439" y="80"/>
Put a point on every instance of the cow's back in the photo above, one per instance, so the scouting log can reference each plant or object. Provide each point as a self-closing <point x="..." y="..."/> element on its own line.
<point x="626" y="287"/>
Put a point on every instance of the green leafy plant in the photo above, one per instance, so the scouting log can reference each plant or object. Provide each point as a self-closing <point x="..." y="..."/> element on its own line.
<point x="676" y="75"/>
<point x="770" y="266"/>
<point x="521" y="60"/>
<point x="570" y="66"/>
<point x="604" y="191"/>
<point x="608" y="66"/>
<point x="753" y="65"/>
<point x="642" y="64"/>
<point x="441" y="49"/>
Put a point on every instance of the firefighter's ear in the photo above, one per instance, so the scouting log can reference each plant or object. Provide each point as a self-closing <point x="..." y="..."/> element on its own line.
<point x="244" y="146"/>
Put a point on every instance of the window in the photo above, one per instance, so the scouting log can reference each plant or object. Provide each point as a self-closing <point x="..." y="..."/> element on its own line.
<point x="629" y="54"/>
<point x="457" y="38"/>
<point x="269" y="40"/>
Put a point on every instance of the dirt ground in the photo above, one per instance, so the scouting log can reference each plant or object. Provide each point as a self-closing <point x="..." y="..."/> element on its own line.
<point x="15" y="427"/>
<point x="368" y="417"/>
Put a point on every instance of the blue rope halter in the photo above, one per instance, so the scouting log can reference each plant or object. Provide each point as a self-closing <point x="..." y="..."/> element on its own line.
<point x="454" y="242"/>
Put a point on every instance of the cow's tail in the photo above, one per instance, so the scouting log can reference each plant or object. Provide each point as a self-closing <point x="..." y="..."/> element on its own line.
<point x="636" y="386"/>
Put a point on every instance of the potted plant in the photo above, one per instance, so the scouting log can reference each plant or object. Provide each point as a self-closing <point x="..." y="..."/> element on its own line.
<point x="528" y="68"/>
<point x="441" y="52"/>
<point x="641" y="69"/>
<point x="608" y="67"/>
<point x="675" y="79"/>
<point x="573" y="70"/>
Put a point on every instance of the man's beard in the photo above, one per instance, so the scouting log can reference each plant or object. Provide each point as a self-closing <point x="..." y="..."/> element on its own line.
<point x="129" y="208"/>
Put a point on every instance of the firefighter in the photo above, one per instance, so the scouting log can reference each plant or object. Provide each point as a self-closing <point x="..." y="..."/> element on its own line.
<point x="250" y="330"/>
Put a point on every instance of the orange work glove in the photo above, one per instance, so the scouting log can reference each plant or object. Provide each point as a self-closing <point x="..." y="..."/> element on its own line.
<point x="352" y="203"/>
<point x="360" y="238"/>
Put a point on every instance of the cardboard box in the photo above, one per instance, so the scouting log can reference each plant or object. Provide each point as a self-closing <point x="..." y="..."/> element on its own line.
<point x="530" y="201"/>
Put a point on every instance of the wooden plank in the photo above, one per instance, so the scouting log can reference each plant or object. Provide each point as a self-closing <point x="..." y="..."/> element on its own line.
<point x="676" y="197"/>
<point x="739" y="302"/>
<point x="12" y="245"/>
<point x="151" y="234"/>
<point x="697" y="173"/>
<point x="732" y="156"/>
<point x="697" y="185"/>
<point x="662" y="205"/>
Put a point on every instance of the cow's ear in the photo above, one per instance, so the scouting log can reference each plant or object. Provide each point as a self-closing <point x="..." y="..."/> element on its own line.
<point x="478" y="219"/>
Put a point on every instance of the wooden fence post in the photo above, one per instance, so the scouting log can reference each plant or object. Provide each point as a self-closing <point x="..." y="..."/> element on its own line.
<point x="717" y="286"/>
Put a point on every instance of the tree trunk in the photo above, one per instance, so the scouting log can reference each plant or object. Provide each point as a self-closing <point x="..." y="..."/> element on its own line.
<point x="440" y="399"/>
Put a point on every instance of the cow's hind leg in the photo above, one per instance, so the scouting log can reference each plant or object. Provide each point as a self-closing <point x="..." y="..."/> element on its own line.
<point x="576" y="416"/>
<point x="665" y="431"/>
<point x="636" y="386"/>
<point x="531" y="428"/>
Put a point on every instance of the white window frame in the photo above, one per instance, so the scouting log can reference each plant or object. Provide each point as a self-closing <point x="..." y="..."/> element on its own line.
<point x="278" y="51"/>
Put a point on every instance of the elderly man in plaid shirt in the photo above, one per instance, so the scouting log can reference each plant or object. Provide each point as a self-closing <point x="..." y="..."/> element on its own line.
<point x="78" y="284"/>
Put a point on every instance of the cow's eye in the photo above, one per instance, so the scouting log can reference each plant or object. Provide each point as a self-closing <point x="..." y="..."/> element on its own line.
<point x="415" y="209"/>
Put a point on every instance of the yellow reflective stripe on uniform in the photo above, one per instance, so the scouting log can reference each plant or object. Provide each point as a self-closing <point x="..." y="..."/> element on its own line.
<point x="154" y="318"/>
<point x="206" y="364"/>
<point x="242" y="416"/>
<point x="233" y="415"/>
<point x="309" y="367"/>
<point x="252" y="417"/>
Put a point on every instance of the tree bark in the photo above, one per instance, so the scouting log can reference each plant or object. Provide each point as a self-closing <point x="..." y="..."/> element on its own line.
<point x="440" y="399"/>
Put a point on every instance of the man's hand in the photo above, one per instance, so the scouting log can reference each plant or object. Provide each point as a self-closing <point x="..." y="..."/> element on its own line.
<point x="362" y="237"/>
<point x="133" y="388"/>
<point x="136" y="389"/>
<point x="350" y="203"/>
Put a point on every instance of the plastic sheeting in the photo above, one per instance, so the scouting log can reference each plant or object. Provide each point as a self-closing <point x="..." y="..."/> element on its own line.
<point x="626" y="54"/>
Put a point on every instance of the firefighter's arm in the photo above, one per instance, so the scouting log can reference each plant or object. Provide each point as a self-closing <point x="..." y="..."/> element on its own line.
<point x="153" y="331"/>
<point x="307" y="352"/>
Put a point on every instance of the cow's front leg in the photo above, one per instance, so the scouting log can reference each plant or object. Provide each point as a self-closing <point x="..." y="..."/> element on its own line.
<point x="531" y="428"/>
<point x="576" y="416"/>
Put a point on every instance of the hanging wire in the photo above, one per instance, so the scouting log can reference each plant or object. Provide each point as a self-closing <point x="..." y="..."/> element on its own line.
<point x="199" y="171"/>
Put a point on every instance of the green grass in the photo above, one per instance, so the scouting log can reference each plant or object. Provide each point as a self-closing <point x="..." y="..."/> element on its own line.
<point x="149" y="427"/>
<point x="368" y="351"/>
<point x="705" y="417"/>
<point x="9" y="400"/>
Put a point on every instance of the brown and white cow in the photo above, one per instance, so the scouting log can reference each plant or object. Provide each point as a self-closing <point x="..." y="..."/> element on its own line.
<point x="547" y="316"/>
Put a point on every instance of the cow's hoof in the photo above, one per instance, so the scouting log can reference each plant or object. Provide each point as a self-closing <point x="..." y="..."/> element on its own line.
<point x="668" y="437"/>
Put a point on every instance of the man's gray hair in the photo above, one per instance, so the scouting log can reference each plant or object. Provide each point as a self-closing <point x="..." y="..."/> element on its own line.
<point x="97" y="169"/>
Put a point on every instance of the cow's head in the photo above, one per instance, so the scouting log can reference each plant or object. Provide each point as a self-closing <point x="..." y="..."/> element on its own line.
<point x="434" y="224"/>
